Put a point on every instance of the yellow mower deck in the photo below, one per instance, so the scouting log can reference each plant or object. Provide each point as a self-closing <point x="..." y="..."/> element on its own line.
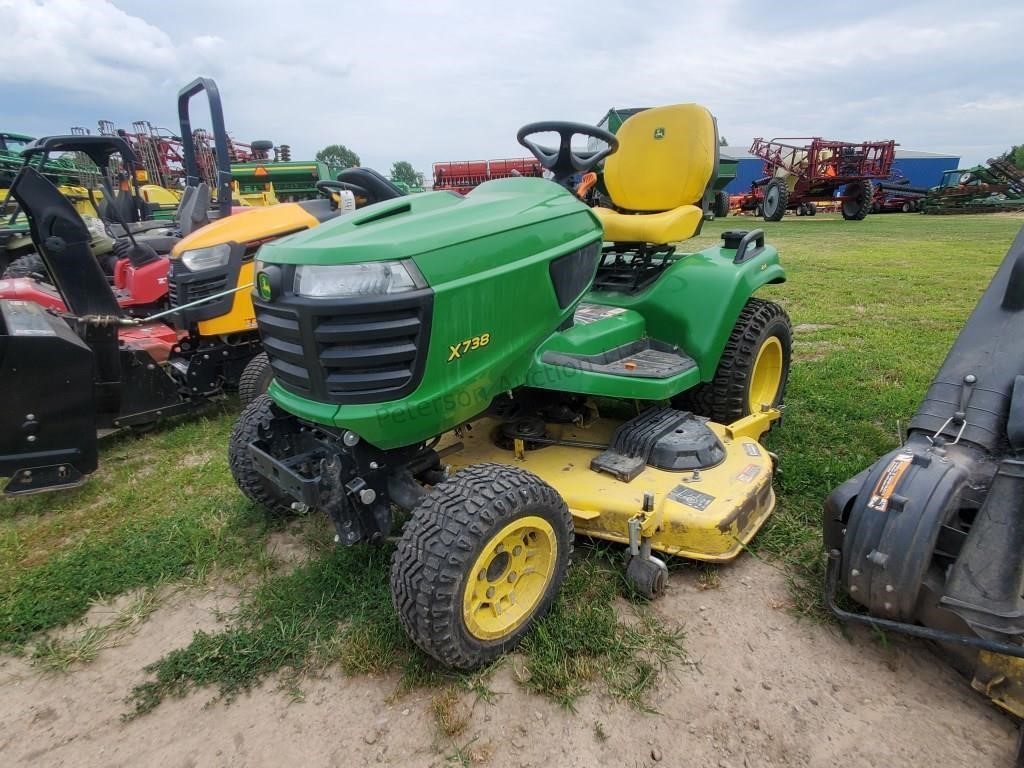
<point x="709" y="517"/>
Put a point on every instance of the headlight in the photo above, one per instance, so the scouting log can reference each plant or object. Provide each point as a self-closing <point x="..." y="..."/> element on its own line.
<point x="339" y="281"/>
<point x="207" y="258"/>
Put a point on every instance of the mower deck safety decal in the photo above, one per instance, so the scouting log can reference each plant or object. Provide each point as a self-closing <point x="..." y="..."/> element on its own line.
<point x="748" y="474"/>
<point x="886" y="486"/>
<point x="691" y="498"/>
<point x="751" y="449"/>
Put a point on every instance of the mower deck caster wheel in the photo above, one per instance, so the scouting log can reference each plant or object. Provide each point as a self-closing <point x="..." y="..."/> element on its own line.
<point x="648" y="577"/>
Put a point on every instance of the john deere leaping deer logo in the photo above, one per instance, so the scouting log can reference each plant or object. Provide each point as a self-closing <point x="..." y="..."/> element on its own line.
<point x="659" y="133"/>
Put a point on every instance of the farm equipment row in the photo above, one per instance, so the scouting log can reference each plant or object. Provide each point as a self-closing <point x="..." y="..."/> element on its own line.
<point x="461" y="176"/>
<point x="896" y="194"/>
<point x="801" y="172"/>
<point x="998" y="186"/>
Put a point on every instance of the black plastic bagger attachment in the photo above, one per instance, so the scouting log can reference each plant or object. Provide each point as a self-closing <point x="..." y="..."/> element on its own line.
<point x="933" y="533"/>
<point x="50" y="373"/>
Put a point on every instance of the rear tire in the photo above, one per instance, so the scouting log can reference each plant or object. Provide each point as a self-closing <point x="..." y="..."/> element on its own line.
<point x="812" y="209"/>
<point x="763" y="328"/>
<point x="457" y="580"/>
<point x="255" y="423"/>
<point x="907" y="207"/>
<point x="721" y="204"/>
<point x="255" y="379"/>
<point x="29" y="265"/>
<point x="858" y="203"/>
<point x="776" y="199"/>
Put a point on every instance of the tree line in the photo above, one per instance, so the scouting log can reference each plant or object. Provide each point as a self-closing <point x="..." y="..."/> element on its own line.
<point x="341" y="157"/>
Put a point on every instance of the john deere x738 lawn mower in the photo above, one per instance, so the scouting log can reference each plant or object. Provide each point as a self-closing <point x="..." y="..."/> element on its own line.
<point x="484" y="365"/>
<point x="930" y="539"/>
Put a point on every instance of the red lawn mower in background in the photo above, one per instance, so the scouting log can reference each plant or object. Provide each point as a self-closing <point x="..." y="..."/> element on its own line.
<point x="130" y="247"/>
<point x="801" y="172"/>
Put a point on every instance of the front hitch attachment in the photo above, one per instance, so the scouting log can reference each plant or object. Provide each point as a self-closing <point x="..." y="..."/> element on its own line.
<point x="358" y="510"/>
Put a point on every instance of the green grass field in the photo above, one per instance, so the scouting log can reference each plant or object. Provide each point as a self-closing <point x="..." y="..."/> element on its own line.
<point x="875" y="304"/>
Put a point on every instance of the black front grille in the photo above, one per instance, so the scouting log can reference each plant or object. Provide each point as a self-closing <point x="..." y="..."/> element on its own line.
<point x="359" y="350"/>
<point x="185" y="286"/>
<point x="184" y="293"/>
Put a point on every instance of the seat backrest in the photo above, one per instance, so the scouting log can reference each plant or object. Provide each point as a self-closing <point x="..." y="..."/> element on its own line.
<point x="119" y="207"/>
<point x="667" y="157"/>
<point x="194" y="208"/>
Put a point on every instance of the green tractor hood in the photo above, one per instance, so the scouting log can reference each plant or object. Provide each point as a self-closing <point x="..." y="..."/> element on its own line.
<point x="503" y="268"/>
<point x="435" y="222"/>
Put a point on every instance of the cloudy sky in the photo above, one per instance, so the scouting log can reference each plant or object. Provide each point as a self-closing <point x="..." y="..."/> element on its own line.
<point x="437" y="80"/>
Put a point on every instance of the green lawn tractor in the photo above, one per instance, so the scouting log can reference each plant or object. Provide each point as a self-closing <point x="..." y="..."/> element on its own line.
<point x="494" y="372"/>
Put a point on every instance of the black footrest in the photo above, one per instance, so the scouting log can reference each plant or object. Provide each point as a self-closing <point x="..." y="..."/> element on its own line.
<point x="664" y="438"/>
<point x="643" y="359"/>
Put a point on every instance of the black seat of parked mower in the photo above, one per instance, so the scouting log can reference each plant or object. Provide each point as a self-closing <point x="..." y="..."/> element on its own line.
<point x="377" y="187"/>
<point x="121" y="208"/>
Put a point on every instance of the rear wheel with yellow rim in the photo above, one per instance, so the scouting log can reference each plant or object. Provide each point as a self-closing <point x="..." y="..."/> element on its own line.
<point x="482" y="557"/>
<point x="753" y="370"/>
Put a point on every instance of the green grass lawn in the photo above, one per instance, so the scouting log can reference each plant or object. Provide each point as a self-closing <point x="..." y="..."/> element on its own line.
<point x="876" y="305"/>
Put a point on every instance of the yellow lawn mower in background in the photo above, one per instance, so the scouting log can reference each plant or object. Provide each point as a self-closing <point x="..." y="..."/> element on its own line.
<point x="211" y="270"/>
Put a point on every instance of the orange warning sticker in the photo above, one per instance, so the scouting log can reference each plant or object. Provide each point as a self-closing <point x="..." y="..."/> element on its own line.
<point x="887" y="483"/>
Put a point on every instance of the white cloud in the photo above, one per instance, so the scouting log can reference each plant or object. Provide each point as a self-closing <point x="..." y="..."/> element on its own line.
<point x="91" y="48"/>
<point x="448" y="80"/>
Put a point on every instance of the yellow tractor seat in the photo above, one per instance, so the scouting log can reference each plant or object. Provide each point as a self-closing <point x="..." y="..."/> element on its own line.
<point x="657" y="180"/>
<point x="659" y="228"/>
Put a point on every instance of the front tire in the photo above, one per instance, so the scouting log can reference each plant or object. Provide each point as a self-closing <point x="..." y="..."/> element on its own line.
<point x="754" y="368"/>
<point x="255" y="379"/>
<point x="776" y="199"/>
<point x="255" y="423"/>
<point x="481" y="559"/>
<point x="858" y="201"/>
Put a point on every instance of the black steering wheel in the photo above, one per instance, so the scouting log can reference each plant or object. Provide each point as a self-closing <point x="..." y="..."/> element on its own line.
<point x="564" y="162"/>
<point x="328" y="187"/>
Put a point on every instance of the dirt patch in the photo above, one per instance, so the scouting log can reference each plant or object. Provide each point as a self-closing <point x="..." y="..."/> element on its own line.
<point x="762" y="689"/>
<point x="290" y="546"/>
<point x="812" y="351"/>
<point x="196" y="459"/>
<point x="811" y="327"/>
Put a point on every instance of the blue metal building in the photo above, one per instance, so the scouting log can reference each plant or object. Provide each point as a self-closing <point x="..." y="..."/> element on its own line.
<point x="924" y="169"/>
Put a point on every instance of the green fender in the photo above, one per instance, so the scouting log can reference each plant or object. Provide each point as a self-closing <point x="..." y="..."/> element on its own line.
<point x="696" y="303"/>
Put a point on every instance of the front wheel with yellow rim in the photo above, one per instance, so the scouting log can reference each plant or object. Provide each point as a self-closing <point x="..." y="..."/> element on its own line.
<point x="753" y="370"/>
<point x="482" y="557"/>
